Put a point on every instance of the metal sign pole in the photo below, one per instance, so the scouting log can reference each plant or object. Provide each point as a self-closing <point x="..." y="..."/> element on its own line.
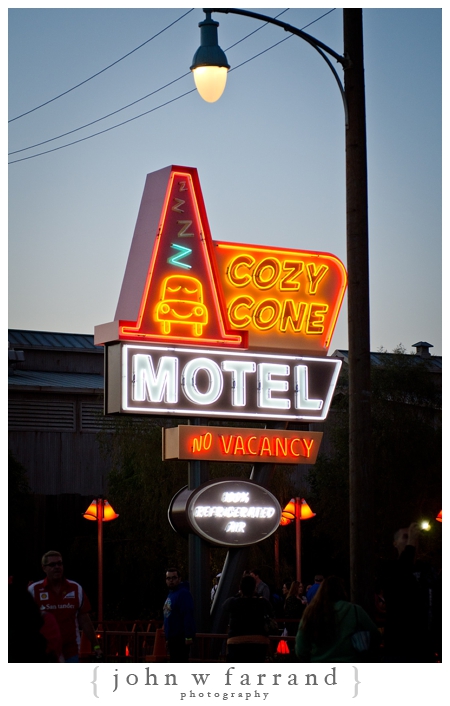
<point x="199" y="551"/>
<point x="100" y="557"/>
<point x="298" y="546"/>
<point x="236" y="560"/>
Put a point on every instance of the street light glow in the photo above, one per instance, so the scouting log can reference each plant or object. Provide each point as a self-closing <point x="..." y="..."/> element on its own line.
<point x="210" y="81"/>
<point x="209" y="65"/>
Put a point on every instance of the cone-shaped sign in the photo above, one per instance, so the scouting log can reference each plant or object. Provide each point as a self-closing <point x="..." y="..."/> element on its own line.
<point x="171" y="291"/>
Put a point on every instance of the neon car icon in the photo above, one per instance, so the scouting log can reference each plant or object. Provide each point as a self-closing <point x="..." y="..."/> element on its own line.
<point x="182" y="303"/>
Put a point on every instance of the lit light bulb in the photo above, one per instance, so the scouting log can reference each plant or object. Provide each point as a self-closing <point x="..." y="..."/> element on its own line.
<point x="425" y="525"/>
<point x="210" y="81"/>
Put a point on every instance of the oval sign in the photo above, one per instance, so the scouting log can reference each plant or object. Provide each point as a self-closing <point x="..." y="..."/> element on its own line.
<point x="228" y="513"/>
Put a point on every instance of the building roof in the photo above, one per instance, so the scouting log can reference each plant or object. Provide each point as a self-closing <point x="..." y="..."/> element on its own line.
<point x="41" y="379"/>
<point x="49" y="339"/>
<point x="433" y="362"/>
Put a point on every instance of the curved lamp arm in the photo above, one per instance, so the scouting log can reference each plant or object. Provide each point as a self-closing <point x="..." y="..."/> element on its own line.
<point x="319" y="46"/>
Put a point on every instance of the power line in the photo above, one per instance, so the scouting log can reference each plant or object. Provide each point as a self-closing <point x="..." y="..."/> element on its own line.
<point x="113" y="127"/>
<point x="162" y="105"/>
<point x="104" y="117"/>
<point x="101" y="71"/>
<point x="114" y="112"/>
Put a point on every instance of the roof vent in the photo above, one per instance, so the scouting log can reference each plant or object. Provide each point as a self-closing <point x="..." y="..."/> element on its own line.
<point x="423" y="349"/>
<point x="14" y="357"/>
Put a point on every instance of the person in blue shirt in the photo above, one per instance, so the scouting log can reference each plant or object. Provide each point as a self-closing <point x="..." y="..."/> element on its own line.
<point x="179" y="623"/>
<point x="318" y="578"/>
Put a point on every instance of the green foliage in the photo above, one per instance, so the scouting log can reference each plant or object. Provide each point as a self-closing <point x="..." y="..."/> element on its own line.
<point x="329" y="495"/>
<point x="406" y="437"/>
<point x="406" y="421"/>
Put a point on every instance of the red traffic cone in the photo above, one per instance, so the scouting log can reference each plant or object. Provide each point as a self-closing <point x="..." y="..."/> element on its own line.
<point x="159" y="648"/>
<point x="283" y="648"/>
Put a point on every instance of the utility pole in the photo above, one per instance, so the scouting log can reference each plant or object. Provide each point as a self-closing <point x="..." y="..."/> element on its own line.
<point x="360" y="461"/>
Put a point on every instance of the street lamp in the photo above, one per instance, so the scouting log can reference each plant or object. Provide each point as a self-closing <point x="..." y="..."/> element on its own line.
<point x="297" y="509"/>
<point x="209" y="66"/>
<point x="353" y="97"/>
<point x="100" y="511"/>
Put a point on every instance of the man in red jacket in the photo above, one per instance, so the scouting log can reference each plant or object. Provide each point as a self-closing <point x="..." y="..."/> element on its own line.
<point x="69" y="604"/>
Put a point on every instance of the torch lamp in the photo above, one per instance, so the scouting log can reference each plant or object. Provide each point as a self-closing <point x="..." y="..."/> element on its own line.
<point x="297" y="509"/>
<point x="100" y="511"/>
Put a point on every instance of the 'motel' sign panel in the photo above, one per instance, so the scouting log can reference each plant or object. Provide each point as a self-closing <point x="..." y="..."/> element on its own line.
<point x="145" y="379"/>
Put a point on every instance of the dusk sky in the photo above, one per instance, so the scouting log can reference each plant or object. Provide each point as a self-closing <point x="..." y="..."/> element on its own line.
<point x="270" y="153"/>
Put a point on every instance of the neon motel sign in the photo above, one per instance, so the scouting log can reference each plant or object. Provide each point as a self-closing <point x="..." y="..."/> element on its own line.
<point x="182" y="288"/>
<point x="145" y="379"/>
<point x="218" y="329"/>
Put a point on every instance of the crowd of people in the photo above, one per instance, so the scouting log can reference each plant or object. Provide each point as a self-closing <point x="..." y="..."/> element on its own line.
<point x="323" y="625"/>
<point x="318" y="620"/>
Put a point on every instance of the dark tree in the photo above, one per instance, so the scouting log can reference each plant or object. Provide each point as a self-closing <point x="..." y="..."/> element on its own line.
<point x="406" y="437"/>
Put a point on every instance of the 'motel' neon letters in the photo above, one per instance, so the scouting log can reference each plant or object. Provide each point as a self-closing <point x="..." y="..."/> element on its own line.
<point x="222" y="383"/>
<point x="164" y="382"/>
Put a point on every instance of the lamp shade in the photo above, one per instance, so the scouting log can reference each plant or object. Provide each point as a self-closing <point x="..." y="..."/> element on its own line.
<point x="210" y="82"/>
<point x="305" y="511"/>
<point x="209" y="65"/>
<point x="439" y="516"/>
<point x="108" y="512"/>
<point x="91" y="512"/>
<point x="289" y="512"/>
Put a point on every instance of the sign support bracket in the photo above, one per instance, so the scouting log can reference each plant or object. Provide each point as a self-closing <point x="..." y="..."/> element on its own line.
<point x="199" y="550"/>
